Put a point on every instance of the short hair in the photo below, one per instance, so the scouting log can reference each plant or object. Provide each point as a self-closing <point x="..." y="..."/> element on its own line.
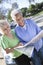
<point x="3" y="22"/>
<point x="14" y="12"/>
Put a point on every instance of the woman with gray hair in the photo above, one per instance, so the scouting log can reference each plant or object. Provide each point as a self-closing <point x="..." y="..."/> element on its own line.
<point x="9" y="41"/>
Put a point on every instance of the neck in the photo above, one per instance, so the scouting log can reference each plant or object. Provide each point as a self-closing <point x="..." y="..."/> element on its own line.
<point x="9" y="35"/>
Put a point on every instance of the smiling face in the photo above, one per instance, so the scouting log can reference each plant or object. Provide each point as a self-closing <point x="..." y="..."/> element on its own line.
<point x="19" y="19"/>
<point x="6" y="29"/>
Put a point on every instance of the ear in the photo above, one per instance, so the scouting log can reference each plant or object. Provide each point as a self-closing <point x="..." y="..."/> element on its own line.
<point x="1" y="32"/>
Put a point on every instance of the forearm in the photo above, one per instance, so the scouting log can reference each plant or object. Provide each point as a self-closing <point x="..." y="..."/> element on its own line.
<point x="9" y="50"/>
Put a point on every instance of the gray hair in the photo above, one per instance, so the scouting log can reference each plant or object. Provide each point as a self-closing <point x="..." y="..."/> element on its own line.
<point x="3" y="22"/>
<point x="14" y="12"/>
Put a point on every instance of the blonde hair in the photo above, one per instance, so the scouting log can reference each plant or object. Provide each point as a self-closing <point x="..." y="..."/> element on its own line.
<point x="3" y="22"/>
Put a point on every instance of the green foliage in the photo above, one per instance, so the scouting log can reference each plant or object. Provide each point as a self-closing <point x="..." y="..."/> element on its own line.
<point x="1" y="16"/>
<point x="24" y="11"/>
<point x="8" y="16"/>
<point x="33" y="9"/>
<point x="0" y="1"/>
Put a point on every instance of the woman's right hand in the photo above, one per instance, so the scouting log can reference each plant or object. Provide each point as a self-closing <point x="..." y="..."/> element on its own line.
<point x="9" y="50"/>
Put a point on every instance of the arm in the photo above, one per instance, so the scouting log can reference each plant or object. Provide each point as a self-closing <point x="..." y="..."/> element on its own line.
<point x="9" y="50"/>
<point x="38" y="29"/>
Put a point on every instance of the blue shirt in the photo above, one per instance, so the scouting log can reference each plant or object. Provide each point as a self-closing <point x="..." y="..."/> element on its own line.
<point x="25" y="35"/>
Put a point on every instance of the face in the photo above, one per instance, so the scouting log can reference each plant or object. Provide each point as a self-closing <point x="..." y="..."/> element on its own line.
<point x="6" y="29"/>
<point x="19" y="19"/>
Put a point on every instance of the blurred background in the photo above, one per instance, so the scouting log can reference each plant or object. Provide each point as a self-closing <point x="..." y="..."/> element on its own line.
<point x="29" y="8"/>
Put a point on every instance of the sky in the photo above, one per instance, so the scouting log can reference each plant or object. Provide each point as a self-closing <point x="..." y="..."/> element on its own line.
<point x="21" y="3"/>
<point x="25" y="3"/>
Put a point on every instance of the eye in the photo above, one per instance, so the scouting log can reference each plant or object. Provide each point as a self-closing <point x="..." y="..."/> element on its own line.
<point x="5" y="29"/>
<point x="7" y="26"/>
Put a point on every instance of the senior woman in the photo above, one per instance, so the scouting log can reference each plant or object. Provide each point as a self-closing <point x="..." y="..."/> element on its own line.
<point x="10" y="41"/>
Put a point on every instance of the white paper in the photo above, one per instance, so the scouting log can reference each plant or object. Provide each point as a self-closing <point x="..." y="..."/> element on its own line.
<point x="28" y="50"/>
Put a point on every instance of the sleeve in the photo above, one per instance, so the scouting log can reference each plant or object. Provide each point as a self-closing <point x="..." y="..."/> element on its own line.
<point x="38" y="29"/>
<point x="0" y="41"/>
<point x="16" y="39"/>
<point x="4" y="43"/>
<point x="20" y="39"/>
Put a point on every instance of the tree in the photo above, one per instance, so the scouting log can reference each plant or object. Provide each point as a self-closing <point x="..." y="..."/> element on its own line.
<point x="32" y="9"/>
<point x="9" y="16"/>
<point x="38" y="6"/>
<point x="31" y="1"/>
<point x="0" y="1"/>
<point x="14" y="5"/>
<point x="42" y="5"/>
<point x="24" y="10"/>
<point x="1" y="16"/>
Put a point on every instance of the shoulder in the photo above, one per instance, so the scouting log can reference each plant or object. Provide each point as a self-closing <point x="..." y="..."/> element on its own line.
<point x="30" y="21"/>
<point x="17" y="28"/>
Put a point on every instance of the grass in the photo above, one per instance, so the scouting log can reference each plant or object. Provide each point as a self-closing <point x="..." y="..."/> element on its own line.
<point x="39" y="13"/>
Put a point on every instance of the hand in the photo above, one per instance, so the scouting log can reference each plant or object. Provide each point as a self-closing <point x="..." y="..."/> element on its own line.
<point x="20" y="44"/>
<point x="9" y="50"/>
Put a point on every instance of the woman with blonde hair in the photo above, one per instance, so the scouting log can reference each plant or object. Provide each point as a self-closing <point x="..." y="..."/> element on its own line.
<point x="9" y="41"/>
